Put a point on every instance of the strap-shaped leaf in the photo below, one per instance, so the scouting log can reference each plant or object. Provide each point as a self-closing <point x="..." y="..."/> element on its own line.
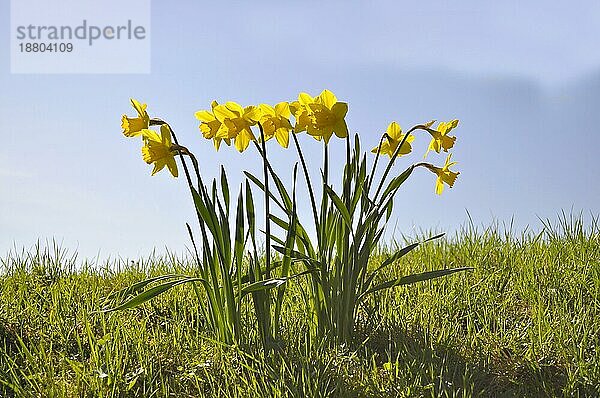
<point x="396" y="182"/>
<point x="208" y="215"/>
<point x="151" y="293"/>
<point x="274" y="265"/>
<point x="301" y="234"/>
<point x="296" y="256"/>
<point x="250" y="212"/>
<point x="260" y="185"/>
<point x="339" y="204"/>
<point x="400" y="253"/>
<point x="410" y="279"/>
<point x="271" y="283"/>
<point x="139" y="286"/>
<point x="238" y="247"/>
<point x="225" y="189"/>
<point x="282" y="191"/>
<point x="263" y="285"/>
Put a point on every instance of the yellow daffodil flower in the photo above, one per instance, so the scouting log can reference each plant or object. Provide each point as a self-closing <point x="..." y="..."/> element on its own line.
<point x="210" y="125"/>
<point x="276" y="123"/>
<point x="321" y="116"/>
<point x="157" y="149"/>
<point x="133" y="126"/>
<point x="393" y="139"/>
<point x="445" y="175"/>
<point x="440" y="138"/>
<point x="236" y="123"/>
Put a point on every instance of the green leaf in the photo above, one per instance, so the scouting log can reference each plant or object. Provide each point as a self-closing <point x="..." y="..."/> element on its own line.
<point x="272" y="283"/>
<point x="151" y="293"/>
<point x="238" y="247"/>
<point x="225" y="188"/>
<point x="263" y="285"/>
<point x="250" y="212"/>
<point x="339" y="205"/>
<point x="396" y="182"/>
<point x="389" y="209"/>
<point x="282" y="192"/>
<point x="400" y="253"/>
<point x="139" y="286"/>
<point x="259" y="184"/>
<point x="208" y="215"/>
<point x="410" y="279"/>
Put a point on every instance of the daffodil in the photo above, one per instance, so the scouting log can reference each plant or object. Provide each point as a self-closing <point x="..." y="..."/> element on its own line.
<point x="133" y="126"/>
<point x="210" y="125"/>
<point x="275" y="122"/>
<point x="440" y="138"/>
<point x="321" y="116"/>
<point x="158" y="149"/>
<point x="444" y="174"/>
<point x="392" y="139"/>
<point x="236" y="123"/>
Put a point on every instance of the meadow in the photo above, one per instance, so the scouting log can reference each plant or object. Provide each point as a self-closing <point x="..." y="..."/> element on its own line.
<point x="524" y="322"/>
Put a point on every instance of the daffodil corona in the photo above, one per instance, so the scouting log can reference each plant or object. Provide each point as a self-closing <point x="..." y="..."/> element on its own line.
<point x="440" y="138"/>
<point x="275" y="122"/>
<point x="133" y="126"/>
<point x="158" y="149"/>
<point x="210" y="125"/>
<point x="321" y="116"/>
<point x="444" y="174"/>
<point x="236" y="123"/>
<point x="393" y="138"/>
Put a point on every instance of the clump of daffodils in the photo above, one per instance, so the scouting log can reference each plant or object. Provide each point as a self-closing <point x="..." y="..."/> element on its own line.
<point x="348" y="222"/>
<point x="321" y="117"/>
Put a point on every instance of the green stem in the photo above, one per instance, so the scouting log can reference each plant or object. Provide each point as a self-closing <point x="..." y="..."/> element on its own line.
<point x="308" y="183"/>
<point x="374" y="168"/>
<point x="267" y="199"/>
<point x="348" y="174"/>
<point x="324" y="200"/>
<point x="181" y="150"/>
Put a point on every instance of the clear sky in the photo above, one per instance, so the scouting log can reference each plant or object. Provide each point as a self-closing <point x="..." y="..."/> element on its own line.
<point x="523" y="78"/>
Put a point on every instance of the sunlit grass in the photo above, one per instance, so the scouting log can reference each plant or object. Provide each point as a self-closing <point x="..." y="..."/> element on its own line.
<point x="523" y="323"/>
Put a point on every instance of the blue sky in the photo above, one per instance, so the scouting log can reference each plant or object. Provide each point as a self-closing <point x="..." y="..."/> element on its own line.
<point x="523" y="78"/>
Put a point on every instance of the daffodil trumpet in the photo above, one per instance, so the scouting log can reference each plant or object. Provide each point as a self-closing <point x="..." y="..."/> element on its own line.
<point x="393" y="158"/>
<point x="444" y="174"/>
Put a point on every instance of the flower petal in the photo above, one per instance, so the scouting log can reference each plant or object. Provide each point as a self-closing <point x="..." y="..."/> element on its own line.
<point x="222" y="112"/>
<point x="327" y="98"/>
<point x="283" y="137"/>
<point x="305" y="99"/>
<point x="340" y="109"/>
<point x="283" y="109"/>
<point x="394" y="131"/>
<point x="204" y="116"/>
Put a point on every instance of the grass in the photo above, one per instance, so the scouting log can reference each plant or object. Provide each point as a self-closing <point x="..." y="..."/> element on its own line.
<point x="524" y="323"/>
